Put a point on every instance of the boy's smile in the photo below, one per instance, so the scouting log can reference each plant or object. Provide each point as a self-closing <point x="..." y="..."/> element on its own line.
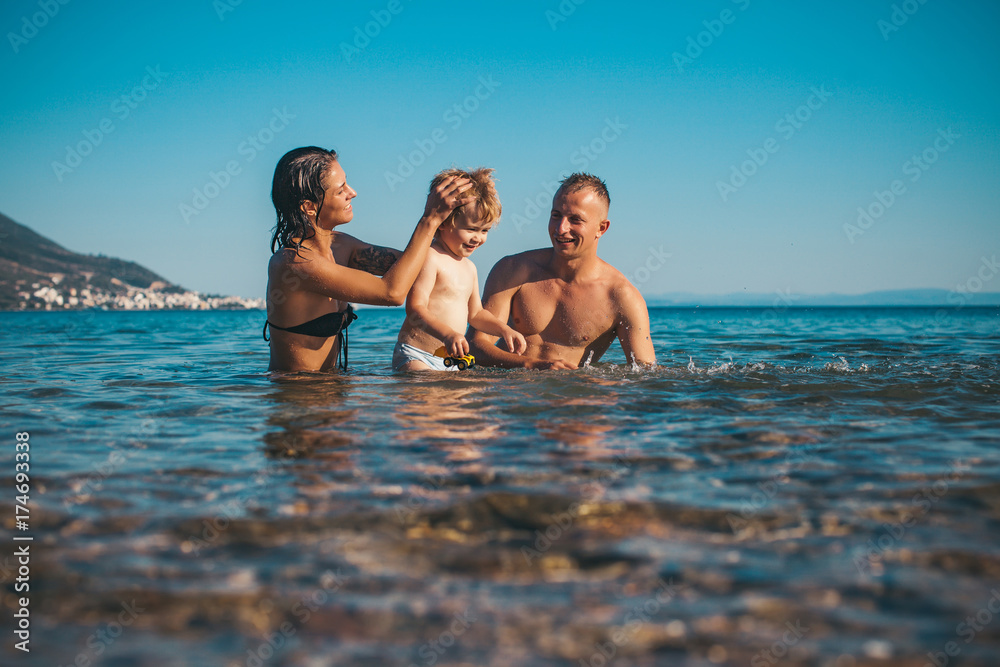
<point x="466" y="233"/>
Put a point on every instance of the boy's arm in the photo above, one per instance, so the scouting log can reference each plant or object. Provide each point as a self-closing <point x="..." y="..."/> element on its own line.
<point x="485" y="321"/>
<point x="418" y="315"/>
<point x="632" y="328"/>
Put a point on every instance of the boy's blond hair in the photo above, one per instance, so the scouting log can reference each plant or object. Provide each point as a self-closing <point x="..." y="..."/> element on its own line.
<point x="483" y="189"/>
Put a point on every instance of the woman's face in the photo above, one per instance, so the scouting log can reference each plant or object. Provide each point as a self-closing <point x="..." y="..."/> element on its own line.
<point x="337" y="209"/>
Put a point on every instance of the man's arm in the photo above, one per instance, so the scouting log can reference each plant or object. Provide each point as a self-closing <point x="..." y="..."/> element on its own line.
<point x="632" y="327"/>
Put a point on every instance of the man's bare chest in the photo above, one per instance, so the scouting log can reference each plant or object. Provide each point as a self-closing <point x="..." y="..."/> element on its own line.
<point x="562" y="313"/>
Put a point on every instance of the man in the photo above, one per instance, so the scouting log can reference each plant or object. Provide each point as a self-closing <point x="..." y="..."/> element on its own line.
<point x="567" y="302"/>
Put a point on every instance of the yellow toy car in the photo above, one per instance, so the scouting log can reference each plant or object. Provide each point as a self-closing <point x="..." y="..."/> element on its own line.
<point x="464" y="362"/>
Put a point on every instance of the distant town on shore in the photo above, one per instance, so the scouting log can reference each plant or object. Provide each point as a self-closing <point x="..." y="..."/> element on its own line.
<point x="38" y="274"/>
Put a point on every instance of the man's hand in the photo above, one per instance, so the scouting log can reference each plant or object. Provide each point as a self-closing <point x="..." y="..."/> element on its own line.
<point x="557" y="365"/>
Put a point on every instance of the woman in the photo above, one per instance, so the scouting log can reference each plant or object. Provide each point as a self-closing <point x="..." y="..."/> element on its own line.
<point x="314" y="270"/>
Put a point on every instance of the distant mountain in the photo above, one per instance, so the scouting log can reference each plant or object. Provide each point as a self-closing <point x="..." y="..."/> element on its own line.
<point x="910" y="297"/>
<point x="38" y="273"/>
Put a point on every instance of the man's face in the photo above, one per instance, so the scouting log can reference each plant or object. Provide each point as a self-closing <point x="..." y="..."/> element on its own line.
<point x="577" y="221"/>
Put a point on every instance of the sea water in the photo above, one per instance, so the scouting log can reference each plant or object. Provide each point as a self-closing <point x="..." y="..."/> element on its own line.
<point x="789" y="486"/>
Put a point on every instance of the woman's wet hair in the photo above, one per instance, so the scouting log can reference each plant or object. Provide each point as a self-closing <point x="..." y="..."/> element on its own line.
<point x="298" y="178"/>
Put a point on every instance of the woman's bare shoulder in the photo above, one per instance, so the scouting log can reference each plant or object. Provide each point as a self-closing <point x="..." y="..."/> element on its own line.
<point x="287" y="261"/>
<point x="282" y="257"/>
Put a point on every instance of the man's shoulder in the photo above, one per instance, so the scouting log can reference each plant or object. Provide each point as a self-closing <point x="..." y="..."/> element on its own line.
<point x="610" y="276"/>
<point x="620" y="288"/>
<point x="529" y="259"/>
<point x="515" y="270"/>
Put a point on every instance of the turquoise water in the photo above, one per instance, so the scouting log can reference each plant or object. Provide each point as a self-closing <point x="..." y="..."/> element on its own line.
<point x="803" y="487"/>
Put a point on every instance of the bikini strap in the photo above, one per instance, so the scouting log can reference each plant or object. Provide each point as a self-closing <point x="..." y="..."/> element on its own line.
<point x="349" y="316"/>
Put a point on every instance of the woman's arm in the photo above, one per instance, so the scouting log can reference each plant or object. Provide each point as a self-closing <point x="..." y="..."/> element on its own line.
<point x="367" y="257"/>
<point x="313" y="273"/>
<point x="374" y="259"/>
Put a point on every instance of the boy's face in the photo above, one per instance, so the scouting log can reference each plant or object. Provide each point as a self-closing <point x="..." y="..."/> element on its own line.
<point x="466" y="234"/>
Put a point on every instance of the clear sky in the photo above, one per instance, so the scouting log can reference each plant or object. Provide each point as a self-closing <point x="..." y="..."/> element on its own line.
<point x="738" y="138"/>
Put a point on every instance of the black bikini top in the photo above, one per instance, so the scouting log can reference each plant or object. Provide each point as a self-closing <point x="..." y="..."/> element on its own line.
<point x="323" y="326"/>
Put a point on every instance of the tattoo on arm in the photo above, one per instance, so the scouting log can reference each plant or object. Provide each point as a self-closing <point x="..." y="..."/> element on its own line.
<point x="374" y="259"/>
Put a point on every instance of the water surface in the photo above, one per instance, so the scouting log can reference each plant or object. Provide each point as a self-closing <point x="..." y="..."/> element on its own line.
<point x="805" y="487"/>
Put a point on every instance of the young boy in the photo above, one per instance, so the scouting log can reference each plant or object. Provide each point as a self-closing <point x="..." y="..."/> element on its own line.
<point x="444" y="300"/>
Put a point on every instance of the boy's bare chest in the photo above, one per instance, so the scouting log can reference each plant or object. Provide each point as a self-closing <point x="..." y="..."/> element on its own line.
<point x="454" y="283"/>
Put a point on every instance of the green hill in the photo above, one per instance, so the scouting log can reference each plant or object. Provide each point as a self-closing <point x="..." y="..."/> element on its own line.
<point x="29" y="261"/>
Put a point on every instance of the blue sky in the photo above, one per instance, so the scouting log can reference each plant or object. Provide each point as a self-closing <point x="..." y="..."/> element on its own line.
<point x="740" y="166"/>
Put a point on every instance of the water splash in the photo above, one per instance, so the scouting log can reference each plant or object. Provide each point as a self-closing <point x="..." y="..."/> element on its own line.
<point x="844" y="366"/>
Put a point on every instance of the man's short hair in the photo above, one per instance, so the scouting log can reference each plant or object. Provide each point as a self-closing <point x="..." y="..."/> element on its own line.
<point x="483" y="189"/>
<point x="582" y="181"/>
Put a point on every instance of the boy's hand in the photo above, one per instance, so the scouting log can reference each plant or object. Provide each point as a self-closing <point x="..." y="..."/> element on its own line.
<point x="515" y="341"/>
<point x="446" y="197"/>
<point x="457" y="345"/>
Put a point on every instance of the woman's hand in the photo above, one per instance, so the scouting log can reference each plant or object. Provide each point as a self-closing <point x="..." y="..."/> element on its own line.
<point x="445" y="198"/>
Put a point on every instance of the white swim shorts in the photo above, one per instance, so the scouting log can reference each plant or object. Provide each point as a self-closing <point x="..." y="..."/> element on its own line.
<point x="404" y="353"/>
